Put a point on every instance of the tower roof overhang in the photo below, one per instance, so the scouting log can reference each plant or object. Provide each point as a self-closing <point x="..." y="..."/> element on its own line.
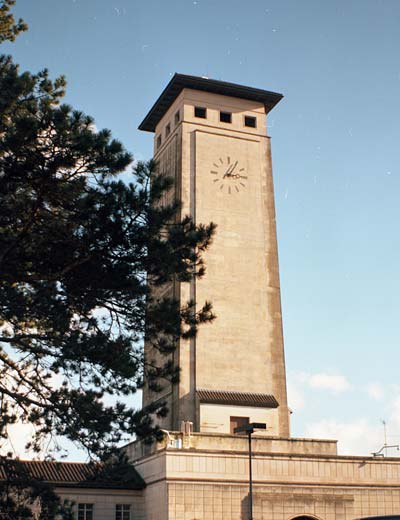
<point x="181" y="81"/>
<point x="226" y="397"/>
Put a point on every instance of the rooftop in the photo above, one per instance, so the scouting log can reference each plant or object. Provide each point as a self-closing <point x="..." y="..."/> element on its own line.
<point x="181" y="81"/>
<point x="69" y="474"/>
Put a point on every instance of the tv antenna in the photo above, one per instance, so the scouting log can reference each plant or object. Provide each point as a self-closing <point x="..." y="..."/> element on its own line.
<point x="383" y="451"/>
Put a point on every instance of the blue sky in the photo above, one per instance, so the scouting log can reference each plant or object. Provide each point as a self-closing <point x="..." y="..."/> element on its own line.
<point x="336" y="163"/>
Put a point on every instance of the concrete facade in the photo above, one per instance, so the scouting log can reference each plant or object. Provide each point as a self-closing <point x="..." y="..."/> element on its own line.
<point x="207" y="479"/>
<point x="242" y="350"/>
<point x="105" y="501"/>
<point x="204" y="475"/>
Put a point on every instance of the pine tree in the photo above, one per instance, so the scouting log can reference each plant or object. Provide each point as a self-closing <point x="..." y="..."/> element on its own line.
<point x="77" y="249"/>
<point x="9" y="29"/>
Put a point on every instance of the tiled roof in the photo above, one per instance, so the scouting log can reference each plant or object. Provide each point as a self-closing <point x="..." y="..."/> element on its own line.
<point x="68" y="474"/>
<point x="181" y="81"/>
<point x="237" y="398"/>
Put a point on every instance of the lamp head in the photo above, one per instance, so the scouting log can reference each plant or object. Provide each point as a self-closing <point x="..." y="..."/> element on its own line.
<point x="248" y="429"/>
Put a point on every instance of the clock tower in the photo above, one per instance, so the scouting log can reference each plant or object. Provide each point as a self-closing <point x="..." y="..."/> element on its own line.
<point x="211" y="137"/>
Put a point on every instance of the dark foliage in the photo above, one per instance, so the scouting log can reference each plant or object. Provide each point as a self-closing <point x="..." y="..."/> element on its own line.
<point x="9" y="28"/>
<point x="78" y="248"/>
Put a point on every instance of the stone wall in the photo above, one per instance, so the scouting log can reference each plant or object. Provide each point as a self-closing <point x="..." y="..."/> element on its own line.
<point x="208" y="480"/>
<point x="190" y="501"/>
<point x="104" y="501"/>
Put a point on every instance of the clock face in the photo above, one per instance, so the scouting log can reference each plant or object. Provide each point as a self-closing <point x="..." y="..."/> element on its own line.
<point x="229" y="175"/>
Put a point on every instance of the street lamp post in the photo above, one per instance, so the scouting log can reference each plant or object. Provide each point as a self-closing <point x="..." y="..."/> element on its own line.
<point x="249" y="429"/>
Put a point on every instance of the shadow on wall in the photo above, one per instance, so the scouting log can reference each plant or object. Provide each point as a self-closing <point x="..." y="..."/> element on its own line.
<point x="244" y="509"/>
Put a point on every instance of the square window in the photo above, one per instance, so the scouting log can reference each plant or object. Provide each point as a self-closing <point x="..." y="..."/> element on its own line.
<point x="122" y="512"/>
<point x="250" y="121"/>
<point x="225" y="117"/>
<point x="200" y="112"/>
<point x="235" y="422"/>
<point x="158" y="142"/>
<point x="167" y="130"/>
<point x="85" y="511"/>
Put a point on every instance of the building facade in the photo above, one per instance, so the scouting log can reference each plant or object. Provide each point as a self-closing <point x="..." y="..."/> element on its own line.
<point x="84" y="487"/>
<point x="206" y="478"/>
<point x="211" y="137"/>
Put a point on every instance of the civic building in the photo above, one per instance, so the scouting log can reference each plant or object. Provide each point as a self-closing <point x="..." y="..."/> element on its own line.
<point x="212" y="138"/>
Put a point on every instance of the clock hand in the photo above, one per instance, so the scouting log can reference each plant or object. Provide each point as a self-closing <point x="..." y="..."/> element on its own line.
<point x="238" y="176"/>
<point x="234" y="166"/>
<point x="228" y="172"/>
